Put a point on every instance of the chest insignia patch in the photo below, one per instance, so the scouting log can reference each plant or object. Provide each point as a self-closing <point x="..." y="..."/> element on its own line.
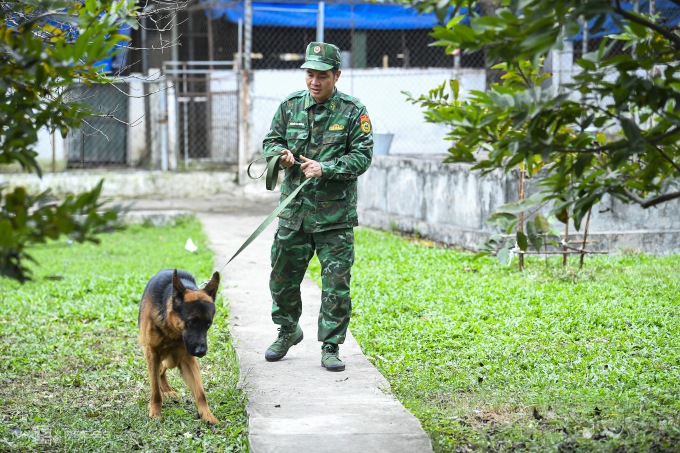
<point x="365" y="124"/>
<point x="296" y="124"/>
<point x="336" y="127"/>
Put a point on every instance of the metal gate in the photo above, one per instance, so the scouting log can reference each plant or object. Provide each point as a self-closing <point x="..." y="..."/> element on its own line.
<point x="206" y="106"/>
<point x="100" y="141"/>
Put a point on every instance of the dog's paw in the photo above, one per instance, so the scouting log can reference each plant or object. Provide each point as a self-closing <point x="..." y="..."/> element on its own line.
<point x="171" y="394"/>
<point x="210" y="418"/>
<point x="155" y="412"/>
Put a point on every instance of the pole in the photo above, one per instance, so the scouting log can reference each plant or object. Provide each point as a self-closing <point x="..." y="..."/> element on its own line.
<point x="185" y="116"/>
<point x="248" y="32"/>
<point x="239" y="61"/>
<point x="353" y="62"/>
<point x="319" y="22"/>
<point x="174" y="52"/>
<point x="163" y="120"/>
<point x="54" y="151"/>
<point x="247" y="50"/>
<point x="585" y="236"/>
<point x="211" y="55"/>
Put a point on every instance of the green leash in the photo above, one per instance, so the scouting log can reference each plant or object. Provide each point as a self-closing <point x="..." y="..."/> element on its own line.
<point x="272" y="172"/>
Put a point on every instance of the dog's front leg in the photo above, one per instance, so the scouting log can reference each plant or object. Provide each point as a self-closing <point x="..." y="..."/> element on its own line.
<point x="188" y="368"/>
<point x="153" y="364"/>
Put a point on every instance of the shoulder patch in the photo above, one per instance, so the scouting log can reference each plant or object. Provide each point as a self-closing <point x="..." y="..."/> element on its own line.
<point x="365" y="124"/>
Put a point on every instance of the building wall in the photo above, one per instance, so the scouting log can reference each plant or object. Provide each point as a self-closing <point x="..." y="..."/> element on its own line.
<point x="380" y="90"/>
<point x="449" y="203"/>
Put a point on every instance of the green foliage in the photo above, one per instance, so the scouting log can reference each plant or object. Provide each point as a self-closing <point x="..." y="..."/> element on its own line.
<point x="474" y="348"/>
<point x="525" y="122"/>
<point x="27" y="220"/>
<point x="72" y="375"/>
<point x="45" y="47"/>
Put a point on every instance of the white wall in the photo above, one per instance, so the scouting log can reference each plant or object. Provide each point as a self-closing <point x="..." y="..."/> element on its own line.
<point x="44" y="148"/>
<point x="378" y="89"/>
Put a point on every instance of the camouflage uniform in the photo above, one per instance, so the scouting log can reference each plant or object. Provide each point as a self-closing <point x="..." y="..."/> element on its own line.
<point x="338" y="135"/>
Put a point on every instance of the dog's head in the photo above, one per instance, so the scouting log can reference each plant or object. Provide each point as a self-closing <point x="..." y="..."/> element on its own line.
<point x="196" y="309"/>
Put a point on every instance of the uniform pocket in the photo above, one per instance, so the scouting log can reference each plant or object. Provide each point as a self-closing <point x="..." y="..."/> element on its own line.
<point x="334" y="138"/>
<point x="296" y="139"/>
<point x="331" y="208"/>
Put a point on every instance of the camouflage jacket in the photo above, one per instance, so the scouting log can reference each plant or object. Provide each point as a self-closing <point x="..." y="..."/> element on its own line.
<point x="338" y="135"/>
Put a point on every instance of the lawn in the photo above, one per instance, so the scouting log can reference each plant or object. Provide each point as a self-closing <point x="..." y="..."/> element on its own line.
<point x="72" y="377"/>
<point x="552" y="359"/>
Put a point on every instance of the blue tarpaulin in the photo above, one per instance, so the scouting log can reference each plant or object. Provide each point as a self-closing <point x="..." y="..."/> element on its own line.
<point x="336" y="15"/>
<point x="669" y="16"/>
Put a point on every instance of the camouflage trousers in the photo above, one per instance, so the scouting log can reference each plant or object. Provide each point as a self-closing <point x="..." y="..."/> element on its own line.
<point x="290" y="257"/>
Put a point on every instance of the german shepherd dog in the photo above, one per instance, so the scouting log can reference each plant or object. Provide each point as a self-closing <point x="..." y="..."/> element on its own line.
<point x="174" y="318"/>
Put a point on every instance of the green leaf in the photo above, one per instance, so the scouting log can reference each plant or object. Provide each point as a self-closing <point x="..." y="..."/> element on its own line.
<point x="535" y="240"/>
<point x="541" y="223"/>
<point x="455" y="88"/>
<point x="480" y="254"/>
<point x="583" y="161"/>
<point x="520" y="206"/>
<point x="522" y="241"/>
<point x="500" y="219"/>
<point x="503" y="256"/>
<point x="455" y="20"/>
<point x="585" y="64"/>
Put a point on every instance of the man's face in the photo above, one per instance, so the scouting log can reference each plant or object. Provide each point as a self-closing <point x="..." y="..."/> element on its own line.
<point x="321" y="83"/>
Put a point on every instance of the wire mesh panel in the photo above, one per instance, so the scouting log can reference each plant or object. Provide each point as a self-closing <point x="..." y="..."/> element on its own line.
<point x="207" y="114"/>
<point x="101" y="140"/>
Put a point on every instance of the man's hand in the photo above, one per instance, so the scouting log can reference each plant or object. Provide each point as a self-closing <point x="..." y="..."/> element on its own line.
<point x="287" y="160"/>
<point x="311" y="168"/>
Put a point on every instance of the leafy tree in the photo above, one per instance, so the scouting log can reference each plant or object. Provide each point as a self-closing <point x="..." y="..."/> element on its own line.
<point x="528" y="125"/>
<point x="46" y="46"/>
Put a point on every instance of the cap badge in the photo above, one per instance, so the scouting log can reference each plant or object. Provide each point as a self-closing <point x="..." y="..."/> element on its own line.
<point x="317" y="49"/>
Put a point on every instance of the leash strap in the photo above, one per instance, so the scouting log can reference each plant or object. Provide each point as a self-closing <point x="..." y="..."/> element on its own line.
<point x="272" y="172"/>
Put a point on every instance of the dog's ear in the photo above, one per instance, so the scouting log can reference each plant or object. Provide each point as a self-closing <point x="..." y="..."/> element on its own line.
<point x="178" y="290"/>
<point x="211" y="288"/>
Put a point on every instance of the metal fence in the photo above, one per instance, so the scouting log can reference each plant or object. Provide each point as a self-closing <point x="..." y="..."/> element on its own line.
<point x="206" y="98"/>
<point x="102" y="140"/>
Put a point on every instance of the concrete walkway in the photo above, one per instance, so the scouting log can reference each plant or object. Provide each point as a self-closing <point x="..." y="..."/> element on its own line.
<point x="295" y="405"/>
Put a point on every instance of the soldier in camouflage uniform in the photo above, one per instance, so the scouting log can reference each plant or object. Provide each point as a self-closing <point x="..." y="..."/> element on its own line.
<point x="331" y="133"/>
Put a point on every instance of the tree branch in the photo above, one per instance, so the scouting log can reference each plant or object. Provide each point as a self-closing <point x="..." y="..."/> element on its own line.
<point x="653" y="201"/>
<point x="675" y="39"/>
<point x="665" y="156"/>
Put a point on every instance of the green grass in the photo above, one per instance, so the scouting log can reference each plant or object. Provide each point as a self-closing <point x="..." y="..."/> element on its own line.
<point x="545" y="360"/>
<point x="72" y="376"/>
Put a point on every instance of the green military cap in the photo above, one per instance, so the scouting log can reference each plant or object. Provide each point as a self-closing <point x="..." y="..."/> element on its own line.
<point x="321" y="56"/>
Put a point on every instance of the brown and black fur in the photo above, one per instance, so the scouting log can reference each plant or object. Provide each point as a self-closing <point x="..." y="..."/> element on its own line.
<point x="174" y="318"/>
